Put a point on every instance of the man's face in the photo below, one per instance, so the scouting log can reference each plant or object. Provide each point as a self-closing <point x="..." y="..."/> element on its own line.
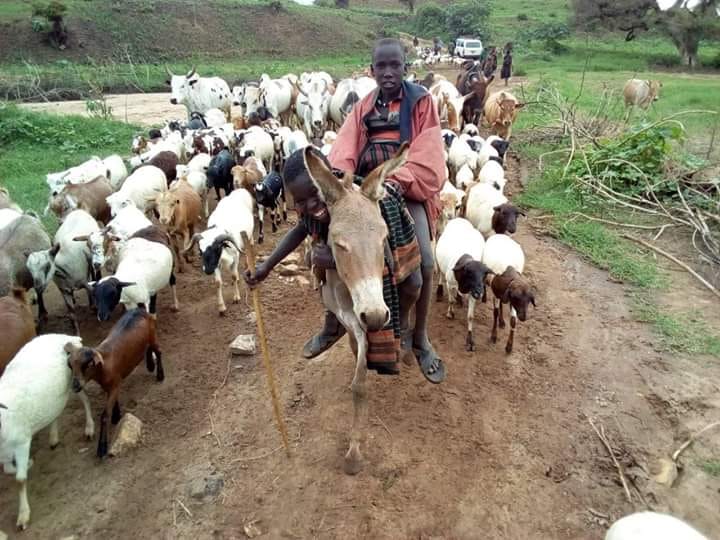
<point x="388" y="68"/>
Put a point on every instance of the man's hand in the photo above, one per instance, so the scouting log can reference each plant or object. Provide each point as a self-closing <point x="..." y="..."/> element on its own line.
<point x="322" y="257"/>
<point x="254" y="279"/>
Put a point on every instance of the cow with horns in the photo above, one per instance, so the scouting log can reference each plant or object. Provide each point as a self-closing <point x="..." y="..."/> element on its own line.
<point x="199" y="94"/>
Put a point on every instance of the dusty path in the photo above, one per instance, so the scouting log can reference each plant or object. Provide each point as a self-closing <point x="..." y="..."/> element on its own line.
<point x="140" y="109"/>
<point x="503" y="449"/>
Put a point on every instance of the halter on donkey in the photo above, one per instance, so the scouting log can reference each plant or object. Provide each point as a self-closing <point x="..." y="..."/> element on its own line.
<point x="354" y="291"/>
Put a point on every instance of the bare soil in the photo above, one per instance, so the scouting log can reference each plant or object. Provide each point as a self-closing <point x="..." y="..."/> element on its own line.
<point x="503" y="449"/>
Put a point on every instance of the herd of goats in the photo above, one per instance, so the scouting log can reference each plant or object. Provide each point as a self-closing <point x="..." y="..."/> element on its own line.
<point x="122" y="235"/>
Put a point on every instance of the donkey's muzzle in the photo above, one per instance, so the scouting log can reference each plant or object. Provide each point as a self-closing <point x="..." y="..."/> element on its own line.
<point x="375" y="320"/>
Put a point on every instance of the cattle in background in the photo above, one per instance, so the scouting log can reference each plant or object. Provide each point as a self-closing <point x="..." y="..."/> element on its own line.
<point x="500" y="111"/>
<point x="640" y="93"/>
<point x="347" y="93"/>
<point x="199" y="94"/>
<point x="312" y="107"/>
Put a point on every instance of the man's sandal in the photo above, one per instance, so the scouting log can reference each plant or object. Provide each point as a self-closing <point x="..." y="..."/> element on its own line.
<point x="320" y="343"/>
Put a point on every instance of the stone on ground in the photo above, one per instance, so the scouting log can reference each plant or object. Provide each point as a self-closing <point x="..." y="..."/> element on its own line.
<point x="243" y="345"/>
<point x="127" y="435"/>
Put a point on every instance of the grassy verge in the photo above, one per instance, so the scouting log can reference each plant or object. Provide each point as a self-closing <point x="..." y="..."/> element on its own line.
<point x="711" y="466"/>
<point x="561" y="202"/>
<point x="32" y="144"/>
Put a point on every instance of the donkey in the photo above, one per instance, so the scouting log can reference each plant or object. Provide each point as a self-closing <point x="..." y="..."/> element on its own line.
<point x="354" y="291"/>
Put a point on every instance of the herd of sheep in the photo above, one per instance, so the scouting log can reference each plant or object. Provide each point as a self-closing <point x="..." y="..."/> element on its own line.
<point x="125" y="231"/>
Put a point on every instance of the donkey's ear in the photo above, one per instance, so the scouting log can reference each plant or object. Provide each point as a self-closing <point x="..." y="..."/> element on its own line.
<point x="331" y="188"/>
<point x="372" y="186"/>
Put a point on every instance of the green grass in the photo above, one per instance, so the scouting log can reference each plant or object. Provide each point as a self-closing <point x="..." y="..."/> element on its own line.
<point x="711" y="466"/>
<point x="602" y="246"/>
<point x="33" y="144"/>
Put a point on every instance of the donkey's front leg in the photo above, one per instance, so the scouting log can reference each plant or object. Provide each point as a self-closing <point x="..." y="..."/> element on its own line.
<point x="353" y="458"/>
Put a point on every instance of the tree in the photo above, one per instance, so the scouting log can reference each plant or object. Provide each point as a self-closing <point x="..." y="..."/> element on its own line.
<point x="342" y="3"/>
<point x="469" y="18"/>
<point x="685" y="22"/>
<point x="51" y="14"/>
<point x="410" y="5"/>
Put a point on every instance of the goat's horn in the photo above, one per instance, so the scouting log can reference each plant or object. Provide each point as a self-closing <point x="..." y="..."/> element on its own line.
<point x="194" y="240"/>
<point x="299" y="89"/>
<point x="228" y="238"/>
<point x="170" y="73"/>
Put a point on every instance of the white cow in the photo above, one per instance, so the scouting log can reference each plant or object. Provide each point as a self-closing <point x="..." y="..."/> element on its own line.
<point x="347" y="93"/>
<point x="312" y="107"/>
<point x="199" y="94"/>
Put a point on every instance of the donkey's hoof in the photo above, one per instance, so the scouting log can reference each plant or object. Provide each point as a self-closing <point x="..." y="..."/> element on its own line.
<point x="353" y="463"/>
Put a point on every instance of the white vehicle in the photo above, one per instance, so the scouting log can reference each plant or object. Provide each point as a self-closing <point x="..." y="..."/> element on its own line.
<point x="468" y="48"/>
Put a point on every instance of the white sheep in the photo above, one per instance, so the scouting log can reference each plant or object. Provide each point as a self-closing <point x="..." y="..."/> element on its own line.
<point x="458" y="256"/>
<point x="85" y="172"/>
<point x="257" y="142"/>
<point x="482" y="199"/>
<point x="490" y="148"/>
<point x="200" y="162"/>
<point x="221" y="243"/>
<point x="145" y="267"/>
<point x="103" y="251"/>
<point x="34" y="390"/>
<point x="464" y="177"/>
<point x="142" y="184"/>
<point x="652" y="526"/>
<point x="506" y="260"/>
<point x="116" y="171"/>
<point x="67" y="263"/>
<point x="461" y="154"/>
<point x="492" y="173"/>
<point x="471" y="129"/>
<point x="198" y="182"/>
<point x="215" y="118"/>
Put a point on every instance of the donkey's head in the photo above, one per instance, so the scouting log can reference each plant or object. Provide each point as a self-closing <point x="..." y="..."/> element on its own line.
<point x="357" y="233"/>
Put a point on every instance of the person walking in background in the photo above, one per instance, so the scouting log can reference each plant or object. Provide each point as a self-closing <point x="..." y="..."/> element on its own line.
<point x="490" y="65"/>
<point x="506" y="70"/>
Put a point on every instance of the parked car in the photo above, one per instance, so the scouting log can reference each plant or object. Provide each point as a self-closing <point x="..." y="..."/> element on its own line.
<point x="468" y="48"/>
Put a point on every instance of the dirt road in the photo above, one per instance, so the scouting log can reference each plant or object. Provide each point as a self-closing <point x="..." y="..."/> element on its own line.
<point x="502" y="450"/>
<point x="140" y="109"/>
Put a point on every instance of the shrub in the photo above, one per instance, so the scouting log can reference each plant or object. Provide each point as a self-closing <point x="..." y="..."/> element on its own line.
<point x="522" y="17"/>
<point x="430" y="20"/>
<point x="468" y="17"/>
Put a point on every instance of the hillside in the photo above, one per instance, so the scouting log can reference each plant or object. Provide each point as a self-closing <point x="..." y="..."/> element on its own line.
<point x="165" y="30"/>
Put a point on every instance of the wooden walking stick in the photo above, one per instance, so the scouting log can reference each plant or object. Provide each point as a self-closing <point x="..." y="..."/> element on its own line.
<point x="250" y="255"/>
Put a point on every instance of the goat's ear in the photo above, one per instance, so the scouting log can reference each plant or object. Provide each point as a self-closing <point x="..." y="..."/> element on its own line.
<point x="519" y="106"/>
<point x="70" y="347"/>
<point x="2" y="406"/>
<point x="98" y="359"/>
<point x="123" y="284"/>
<point x="532" y="300"/>
<point x="497" y="208"/>
<point x="506" y="295"/>
<point x="331" y="188"/>
<point x="54" y="249"/>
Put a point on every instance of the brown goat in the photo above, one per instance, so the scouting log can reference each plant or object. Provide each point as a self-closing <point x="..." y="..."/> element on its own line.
<point x="18" y="324"/>
<point x="512" y="288"/>
<point x="132" y="338"/>
<point x="89" y="196"/>
<point x="179" y="210"/>
<point x="504" y="218"/>
<point x="247" y="176"/>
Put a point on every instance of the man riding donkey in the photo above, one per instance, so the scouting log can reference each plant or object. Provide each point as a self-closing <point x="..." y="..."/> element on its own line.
<point x="397" y="114"/>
